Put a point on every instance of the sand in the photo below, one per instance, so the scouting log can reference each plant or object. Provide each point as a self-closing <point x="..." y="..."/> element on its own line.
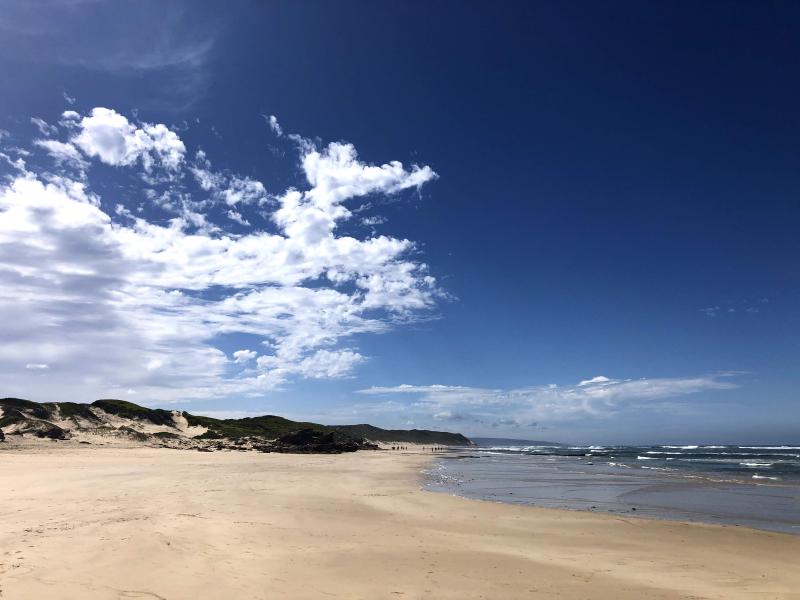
<point x="86" y="522"/>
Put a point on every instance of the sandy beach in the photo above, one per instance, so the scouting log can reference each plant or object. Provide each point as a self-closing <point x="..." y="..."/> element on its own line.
<point x="88" y="522"/>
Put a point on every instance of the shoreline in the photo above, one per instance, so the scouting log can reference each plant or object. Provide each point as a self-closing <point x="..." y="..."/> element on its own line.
<point x="562" y="484"/>
<point x="100" y="523"/>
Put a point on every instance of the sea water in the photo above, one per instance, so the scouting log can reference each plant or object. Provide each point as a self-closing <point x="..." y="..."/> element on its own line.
<point x="754" y="486"/>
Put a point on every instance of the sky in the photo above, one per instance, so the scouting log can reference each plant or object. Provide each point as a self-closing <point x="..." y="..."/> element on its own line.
<point x="575" y="222"/>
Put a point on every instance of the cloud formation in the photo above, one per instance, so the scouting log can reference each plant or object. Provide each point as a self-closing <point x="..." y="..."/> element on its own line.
<point x="112" y="300"/>
<point x="597" y="397"/>
<point x="109" y="136"/>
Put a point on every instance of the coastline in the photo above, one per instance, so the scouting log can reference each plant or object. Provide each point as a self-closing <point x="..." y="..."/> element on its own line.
<point x="568" y="483"/>
<point x="153" y="523"/>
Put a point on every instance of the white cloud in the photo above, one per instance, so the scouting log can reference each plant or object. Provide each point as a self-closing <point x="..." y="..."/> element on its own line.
<point x="113" y="139"/>
<point x="243" y="356"/>
<point x="230" y="189"/>
<point x="69" y="99"/>
<point x="37" y="366"/>
<point x="242" y="190"/>
<point x="237" y="216"/>
<point x="63" y="153"/>
<point x="598" y="397"/>
<point x="114" y="301"/>
<point x="70" y="119"/>
<point x="599" y="380"/>
<point x="374" y="220"/>
<point x="272" y="121"/>
<point x="327" y="363"/>
<point x="335" y="175"/>
<point x="44" y="127"/>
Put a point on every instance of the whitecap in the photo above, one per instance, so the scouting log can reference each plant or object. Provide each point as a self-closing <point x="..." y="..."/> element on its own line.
<point x="770" y="447"/>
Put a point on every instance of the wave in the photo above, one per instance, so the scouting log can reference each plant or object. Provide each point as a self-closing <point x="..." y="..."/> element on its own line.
<point x="756" y="464"/>
<point x="757" y="476"/>
<point x="769" y="447"/>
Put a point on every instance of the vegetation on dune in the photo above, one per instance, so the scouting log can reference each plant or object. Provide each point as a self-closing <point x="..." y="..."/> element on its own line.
<point x="129" y="410"/>
<point x="70" y="410"/>
<point x="12" y="418"/>
<point x="268" y="426"/>
<point x="133" y="434"/>
<point x="411" y="436"/>
<point x="37" y="410"/>
<point x="34" y="417"/>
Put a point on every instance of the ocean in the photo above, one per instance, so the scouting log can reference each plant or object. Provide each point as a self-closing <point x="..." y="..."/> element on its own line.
<point x="754" y="486"/>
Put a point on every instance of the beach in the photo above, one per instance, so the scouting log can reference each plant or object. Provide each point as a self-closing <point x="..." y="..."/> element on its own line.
<point x="78" y="521"/>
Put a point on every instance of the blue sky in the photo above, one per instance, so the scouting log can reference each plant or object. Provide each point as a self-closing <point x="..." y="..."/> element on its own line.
<point x="538" y="220"/>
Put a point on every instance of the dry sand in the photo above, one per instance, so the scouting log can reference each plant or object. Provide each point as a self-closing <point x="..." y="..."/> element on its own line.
<point x="86" y="522"/>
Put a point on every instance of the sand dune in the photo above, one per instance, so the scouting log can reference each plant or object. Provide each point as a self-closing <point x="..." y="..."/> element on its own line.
<point x="87" y="522"/>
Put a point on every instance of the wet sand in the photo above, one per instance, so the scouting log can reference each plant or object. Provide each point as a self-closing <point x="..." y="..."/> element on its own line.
<point x="87" y="522"/>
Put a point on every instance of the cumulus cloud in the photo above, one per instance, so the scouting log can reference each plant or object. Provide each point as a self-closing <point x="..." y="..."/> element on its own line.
<point x="113" y="301"/>
<point x="597" y="397"/>
<point x="335" y="175"/>
<point x="242" y="190"/>
<point x="109" y="136"/>
<point x="243" y="356"/>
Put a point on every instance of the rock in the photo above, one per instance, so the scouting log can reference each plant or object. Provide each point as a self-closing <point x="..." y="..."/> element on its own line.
<point x="316" y="441"/>
<point x="53" y="432"/>
<point x="2" y="436"/>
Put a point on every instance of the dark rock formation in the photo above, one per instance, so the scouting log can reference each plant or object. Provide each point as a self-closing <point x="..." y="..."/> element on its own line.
<point x="50" y="431"/>
<point x="315" y="441"/>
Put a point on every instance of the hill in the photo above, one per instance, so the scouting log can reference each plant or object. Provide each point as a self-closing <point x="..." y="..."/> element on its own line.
<point x="411" y="436"/>
<point x="121" y="420"/>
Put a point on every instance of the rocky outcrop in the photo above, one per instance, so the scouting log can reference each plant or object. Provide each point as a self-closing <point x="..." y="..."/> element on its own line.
<point x="316" y="442"/>
<point x="49" y="431"/>
<point x="2" y="436"/>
